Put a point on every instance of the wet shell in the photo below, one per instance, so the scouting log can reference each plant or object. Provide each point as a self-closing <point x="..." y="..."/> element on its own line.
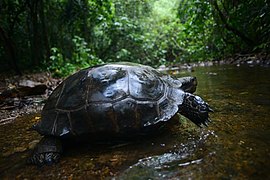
<point x="111" y="98"/>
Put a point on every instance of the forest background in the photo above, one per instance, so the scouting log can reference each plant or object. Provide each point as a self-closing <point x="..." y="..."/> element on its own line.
<point x="62" y="36"/>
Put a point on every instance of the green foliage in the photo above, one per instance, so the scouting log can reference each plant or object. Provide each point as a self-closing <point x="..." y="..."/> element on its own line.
<point x="124" y="38"/>
<point x="154" y="32"/>
<point x="81" y="58"/>
<point x="242" y="25"/>
<point x="197" y="22"/>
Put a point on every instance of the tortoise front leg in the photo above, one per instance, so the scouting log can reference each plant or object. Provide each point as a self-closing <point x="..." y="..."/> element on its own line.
<point x="47" y="151"/>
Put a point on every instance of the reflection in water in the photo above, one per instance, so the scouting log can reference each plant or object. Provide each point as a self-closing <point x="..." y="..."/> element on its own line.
<point x="168" y="165"/>
<point x="236" y="145"/>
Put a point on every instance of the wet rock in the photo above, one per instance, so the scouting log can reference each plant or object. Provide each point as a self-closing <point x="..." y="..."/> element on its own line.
<point x="260" y="59"/>
<point x="28" y="88"/>
<point x="25" y="88"/>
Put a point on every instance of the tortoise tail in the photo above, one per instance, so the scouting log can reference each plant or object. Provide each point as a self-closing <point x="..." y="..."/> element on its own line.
<point x="195" y="109"/>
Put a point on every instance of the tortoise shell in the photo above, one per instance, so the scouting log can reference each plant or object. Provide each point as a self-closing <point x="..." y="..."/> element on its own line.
<point x="111" y="98"/>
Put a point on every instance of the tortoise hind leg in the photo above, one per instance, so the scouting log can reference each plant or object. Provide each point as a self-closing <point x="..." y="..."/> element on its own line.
<point x="47" y="151"/>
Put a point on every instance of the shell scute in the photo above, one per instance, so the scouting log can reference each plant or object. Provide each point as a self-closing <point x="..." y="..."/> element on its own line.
<point x="145" y="85"/>
<point x="107" y="84"/>
<point x="113" y="98"/>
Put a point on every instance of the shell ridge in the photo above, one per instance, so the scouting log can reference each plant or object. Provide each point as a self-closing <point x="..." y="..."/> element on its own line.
<point x="128" y="79"/>
<point x="54" y="128"/>
<point x="89" y="120"/>
<point x="87" y="92"/>
<point x="70" y="123"/>
<point x="157" y="109"/>
<point x="171" y="103"/>
<point x="114" y="120"/>
<point x="137" y="117"/>
<point x="60" y="95"/>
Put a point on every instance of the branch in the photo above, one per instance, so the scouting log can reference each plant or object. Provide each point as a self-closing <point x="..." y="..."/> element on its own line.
<point x="238" y="33"/>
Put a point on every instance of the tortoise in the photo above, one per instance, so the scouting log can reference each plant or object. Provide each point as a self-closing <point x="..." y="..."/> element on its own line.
<point x="116" y="99"/>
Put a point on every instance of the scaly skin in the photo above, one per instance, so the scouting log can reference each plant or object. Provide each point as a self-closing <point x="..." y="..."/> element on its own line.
<point x="47" y="152"/>
<point x="195" y="109"/>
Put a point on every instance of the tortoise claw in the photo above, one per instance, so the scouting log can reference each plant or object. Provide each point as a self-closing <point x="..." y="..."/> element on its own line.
<point x="210" y="109"/>
<point x="41" y="159"/>
<point x="47" y="152"/>
<point x="205" y="123"/>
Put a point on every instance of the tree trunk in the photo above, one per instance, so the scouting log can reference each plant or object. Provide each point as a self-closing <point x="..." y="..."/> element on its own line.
<point x="238" y="33"/>
<point x="10" y="50"/>
<point x="45" y="32"/>
<point x="35" y="38"/>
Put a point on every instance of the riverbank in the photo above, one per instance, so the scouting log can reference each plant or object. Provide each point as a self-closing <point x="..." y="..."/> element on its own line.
<point x="259" y="59"/>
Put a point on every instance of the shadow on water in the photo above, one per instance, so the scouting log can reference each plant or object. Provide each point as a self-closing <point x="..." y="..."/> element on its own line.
<point x="236" y="145"/>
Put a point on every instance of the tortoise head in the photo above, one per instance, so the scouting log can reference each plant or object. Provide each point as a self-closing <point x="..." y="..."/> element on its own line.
<point x="195" y="109"/>
<point x="188" y="84"/>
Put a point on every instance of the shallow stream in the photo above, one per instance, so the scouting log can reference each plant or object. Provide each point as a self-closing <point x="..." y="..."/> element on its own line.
<point x="236" y="145"/>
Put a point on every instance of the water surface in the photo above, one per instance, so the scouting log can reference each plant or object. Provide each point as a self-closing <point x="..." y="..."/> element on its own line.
<point x="236" y="145"/>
